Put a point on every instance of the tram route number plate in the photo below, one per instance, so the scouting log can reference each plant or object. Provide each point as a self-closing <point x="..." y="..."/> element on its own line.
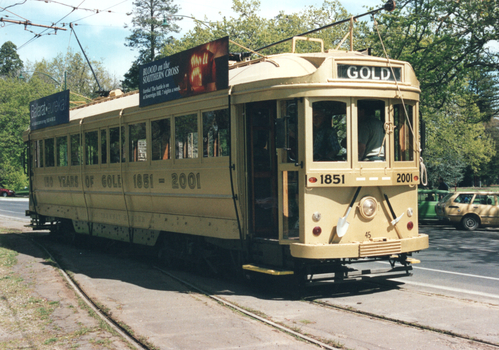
<point x="405" y="178"/>
<point x="331" y="179"/>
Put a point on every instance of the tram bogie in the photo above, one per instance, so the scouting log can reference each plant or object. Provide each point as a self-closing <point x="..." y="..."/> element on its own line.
<point x="304" y="163"/>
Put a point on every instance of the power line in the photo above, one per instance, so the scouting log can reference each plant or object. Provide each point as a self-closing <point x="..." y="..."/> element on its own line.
<point x="73" y="9"/>
<point x="96" y="11"/>
<point x="100" y="11"/>
<point x="15" y="14"/>
<point x="19" y="3"/>
<point x="40" y="34"/>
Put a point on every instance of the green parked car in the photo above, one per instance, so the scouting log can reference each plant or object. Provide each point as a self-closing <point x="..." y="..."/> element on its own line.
<point x="427" y="200"/>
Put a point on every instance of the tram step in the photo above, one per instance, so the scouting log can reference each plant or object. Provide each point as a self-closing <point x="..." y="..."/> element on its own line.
<point x="413" y="261"/>
<point x="408" y="259"/>
<point x="269" y="271"/>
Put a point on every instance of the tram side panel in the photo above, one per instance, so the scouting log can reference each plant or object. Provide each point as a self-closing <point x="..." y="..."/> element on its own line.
<point x="195" y="201"/>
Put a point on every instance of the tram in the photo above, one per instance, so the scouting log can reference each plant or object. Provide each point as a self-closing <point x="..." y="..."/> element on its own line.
<point x="300" y="163"/>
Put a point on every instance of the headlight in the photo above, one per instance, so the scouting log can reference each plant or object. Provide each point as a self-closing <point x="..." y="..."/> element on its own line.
<point x="368" y="207"/>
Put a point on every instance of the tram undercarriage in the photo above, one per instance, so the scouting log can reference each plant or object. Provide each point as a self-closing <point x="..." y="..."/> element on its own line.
<point x="262" y="257"/>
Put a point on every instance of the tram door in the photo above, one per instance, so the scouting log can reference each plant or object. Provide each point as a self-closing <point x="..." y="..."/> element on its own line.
<point x="262" y="169"/>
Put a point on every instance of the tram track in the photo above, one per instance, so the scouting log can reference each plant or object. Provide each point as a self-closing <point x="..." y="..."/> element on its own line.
<point x="115" y="325"/>
<point x="350" y="310"/>
<point x="124" y="331"/>
<point x="262" y="315"/>
<point x="308" y="338"/>
<point x="413" y="325"/>
<point x="248" y="313"/>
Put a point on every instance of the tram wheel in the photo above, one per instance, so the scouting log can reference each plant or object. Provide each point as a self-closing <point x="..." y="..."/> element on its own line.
<point x="470" y="223"/>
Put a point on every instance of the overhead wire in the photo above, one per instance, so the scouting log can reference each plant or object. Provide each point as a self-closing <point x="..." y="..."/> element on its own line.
<point x="15" y="14"/>
<point x="73" y="9"/>
<point x="42" y="33"/>
<point x="101" y="11"/>
<point x="19" y="3"/>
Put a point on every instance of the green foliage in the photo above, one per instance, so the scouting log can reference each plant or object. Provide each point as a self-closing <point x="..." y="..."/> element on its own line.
<point x="252" y="31"/>
<point x="448" y="45"/>
<point x="443" y="40"/>
<point x="72" y="71"/>
<point x="15" y="96"/>
<point x="489" y="170"/>
<point x="13" y="178"/>
<point x="453" y="143"/>
<point x="152" y="21"/>
<point x="10" y="63"/>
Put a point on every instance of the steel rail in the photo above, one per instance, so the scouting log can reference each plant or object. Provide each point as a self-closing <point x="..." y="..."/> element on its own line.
<point x="88" y="301"/>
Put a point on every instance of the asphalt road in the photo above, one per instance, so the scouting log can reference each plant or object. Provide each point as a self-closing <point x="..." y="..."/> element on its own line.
<point x="14" y="208"/>
<point x="459" y="263"/>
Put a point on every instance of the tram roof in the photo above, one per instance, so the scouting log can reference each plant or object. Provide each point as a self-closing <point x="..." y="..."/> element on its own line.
<point x="289" y="66"/>
<point x="286" y="65"/>
<point x="284" y="68"/>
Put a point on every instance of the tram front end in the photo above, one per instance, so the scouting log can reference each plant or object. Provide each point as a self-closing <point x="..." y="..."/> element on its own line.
<point x="360" y="194"/>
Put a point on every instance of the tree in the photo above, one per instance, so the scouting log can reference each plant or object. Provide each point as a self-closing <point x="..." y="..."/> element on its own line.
<point x="453" y="143"/>
<point x="448" y="45"/>
<point x="15" y="97"/>
<point x="252" y="31"/>
<point x="10" y="63"/>
<point x="489" y="171"/>
<point x="152" y="21"/>
<point x="71" y="70"/>
<point x="443" y="40"/>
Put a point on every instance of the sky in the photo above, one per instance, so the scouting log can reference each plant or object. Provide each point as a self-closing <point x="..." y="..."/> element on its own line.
<point x="100" y="25"/>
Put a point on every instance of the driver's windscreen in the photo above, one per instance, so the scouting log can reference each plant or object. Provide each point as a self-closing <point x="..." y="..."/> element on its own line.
<point x="330" y="131"/>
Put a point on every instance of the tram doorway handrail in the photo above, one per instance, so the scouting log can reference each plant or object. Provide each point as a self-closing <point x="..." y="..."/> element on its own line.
<point x="389" y="6"/>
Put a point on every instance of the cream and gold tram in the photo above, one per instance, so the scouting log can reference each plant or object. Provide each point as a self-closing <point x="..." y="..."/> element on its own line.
<point x="246" y="171"/>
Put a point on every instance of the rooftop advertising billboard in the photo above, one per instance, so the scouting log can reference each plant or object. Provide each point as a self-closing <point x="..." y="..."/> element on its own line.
<point x="202" y="69"/>
<point x="49" y="111"/>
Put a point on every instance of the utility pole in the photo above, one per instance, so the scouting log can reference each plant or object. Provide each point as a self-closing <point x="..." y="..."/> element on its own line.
<point x="29" y="23"/>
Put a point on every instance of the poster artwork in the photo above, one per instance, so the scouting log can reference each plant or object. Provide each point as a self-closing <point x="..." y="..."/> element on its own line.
<point x="198" y="70"/>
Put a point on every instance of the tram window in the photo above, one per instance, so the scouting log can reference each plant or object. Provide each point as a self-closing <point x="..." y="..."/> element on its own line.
<point x="75" y="149"/>
<point x="49" y="153"/>
<point x="289" y="111"/>
<point x="404" y="136"/>
<point x="186" y="137"/>
<point x="61" y="152"/>
<point x="161" y="133"/>
<point x="116" y="150"/>
<point x="91" y="148"/>
<point x="39" y="154"/>
<point x="216" y="133"/>
<point x="137" y="143"/>
<point x="103" y="146"/>
<point x="330" y="131"/>
<point x="371" y="130"/>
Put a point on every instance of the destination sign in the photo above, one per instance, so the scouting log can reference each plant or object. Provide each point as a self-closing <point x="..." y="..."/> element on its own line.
<point x="354" y="72"/>
<point x="49" y="111"/>
<point x="202" y="69"/>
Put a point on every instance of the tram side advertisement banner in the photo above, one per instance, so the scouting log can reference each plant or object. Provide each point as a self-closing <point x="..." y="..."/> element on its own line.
<point x="202" y="69"/>
<point x="49" y="111"/>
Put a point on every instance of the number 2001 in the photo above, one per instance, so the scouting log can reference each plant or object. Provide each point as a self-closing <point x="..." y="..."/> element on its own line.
<point x="404" y="178"/>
